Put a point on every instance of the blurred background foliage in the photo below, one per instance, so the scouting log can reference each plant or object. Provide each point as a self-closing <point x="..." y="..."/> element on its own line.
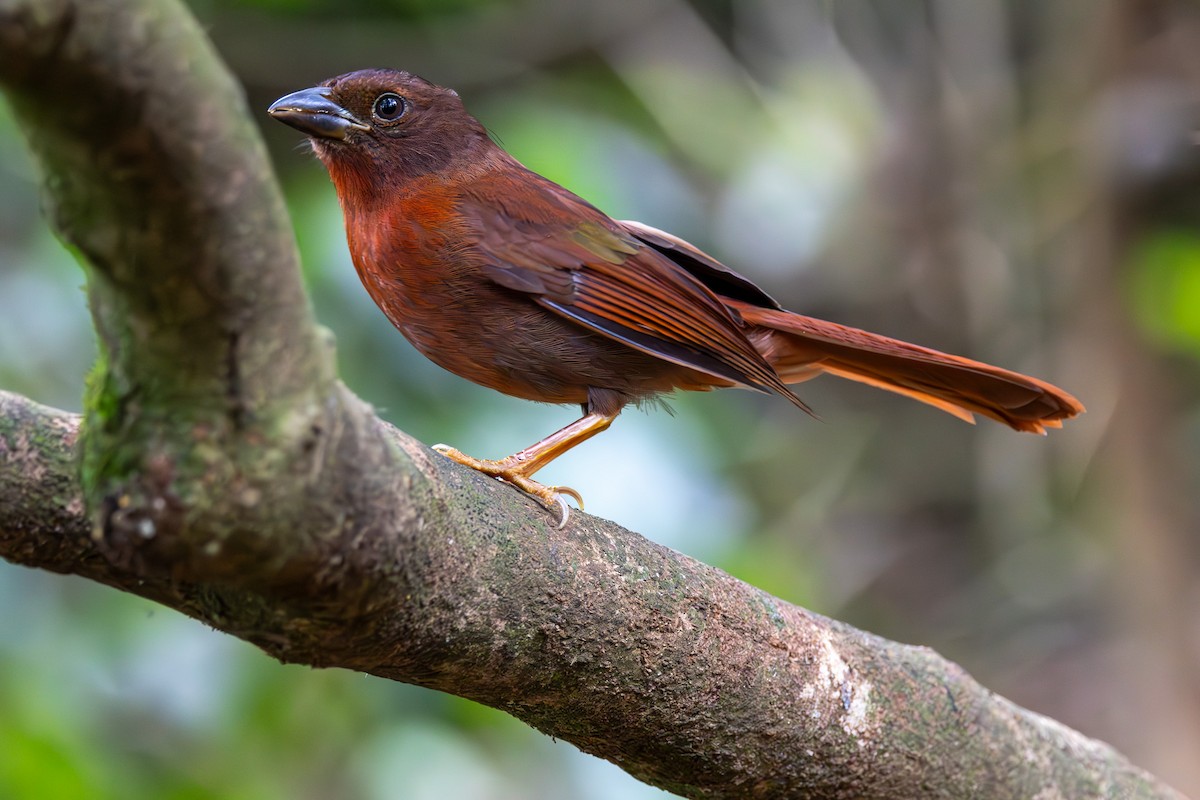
<point x="1013" y="180"/>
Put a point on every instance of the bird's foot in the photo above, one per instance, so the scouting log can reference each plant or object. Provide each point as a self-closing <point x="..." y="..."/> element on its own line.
<point x="515" y="471"/>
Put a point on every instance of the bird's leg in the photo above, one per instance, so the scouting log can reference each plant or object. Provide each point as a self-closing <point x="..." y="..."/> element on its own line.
<point x="518" y="468"/>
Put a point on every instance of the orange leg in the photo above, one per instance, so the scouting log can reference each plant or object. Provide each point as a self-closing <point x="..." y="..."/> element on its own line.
<point x="518" y="468"/>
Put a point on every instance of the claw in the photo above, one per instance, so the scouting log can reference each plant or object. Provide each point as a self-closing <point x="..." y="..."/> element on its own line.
<point x="558" y="492"/>
<point x="566" y="511"/>
<point x="567" y="490"/>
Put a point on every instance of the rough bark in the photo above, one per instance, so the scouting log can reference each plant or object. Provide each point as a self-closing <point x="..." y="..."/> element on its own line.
<point x="222" y="470"/>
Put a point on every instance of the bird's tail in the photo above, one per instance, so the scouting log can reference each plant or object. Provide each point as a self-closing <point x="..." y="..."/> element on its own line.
<point x="801" y="347"/>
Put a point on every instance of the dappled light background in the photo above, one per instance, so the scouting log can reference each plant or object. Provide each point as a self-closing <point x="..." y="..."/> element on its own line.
<point x="1012" y="181"/>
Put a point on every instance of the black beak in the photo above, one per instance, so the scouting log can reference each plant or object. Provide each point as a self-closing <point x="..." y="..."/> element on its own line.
<point x="311" y="111"/>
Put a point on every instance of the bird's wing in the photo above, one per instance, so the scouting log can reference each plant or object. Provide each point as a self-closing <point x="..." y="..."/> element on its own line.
<point x="575" y="261"/>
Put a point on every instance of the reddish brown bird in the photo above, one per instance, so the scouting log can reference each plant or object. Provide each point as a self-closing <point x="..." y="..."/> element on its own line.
<point x="509" y="280"/>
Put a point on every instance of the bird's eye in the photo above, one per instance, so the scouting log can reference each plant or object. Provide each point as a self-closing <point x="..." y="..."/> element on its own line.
<point x="388" y="107"/>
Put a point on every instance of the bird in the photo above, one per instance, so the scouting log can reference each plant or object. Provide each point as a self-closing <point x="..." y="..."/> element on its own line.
<point x="509" y="280"/>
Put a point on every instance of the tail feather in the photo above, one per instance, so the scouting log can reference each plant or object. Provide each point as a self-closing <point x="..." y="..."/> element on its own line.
<point x="800" y="347"/>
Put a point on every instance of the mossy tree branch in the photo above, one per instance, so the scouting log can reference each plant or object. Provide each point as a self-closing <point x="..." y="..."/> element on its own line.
<point x="222" y="470"/>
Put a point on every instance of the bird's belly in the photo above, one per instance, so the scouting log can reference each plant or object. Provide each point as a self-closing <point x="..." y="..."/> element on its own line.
<point x="510" y="344"/>
<point x="525" y="351"/>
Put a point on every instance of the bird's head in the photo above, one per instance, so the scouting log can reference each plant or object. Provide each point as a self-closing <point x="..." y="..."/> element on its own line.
<point x="382" y="126"/>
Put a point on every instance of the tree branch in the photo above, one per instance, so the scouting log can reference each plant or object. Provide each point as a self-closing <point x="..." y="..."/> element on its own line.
<point x="686" y="677"/>
<point x="222" y="470"/>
